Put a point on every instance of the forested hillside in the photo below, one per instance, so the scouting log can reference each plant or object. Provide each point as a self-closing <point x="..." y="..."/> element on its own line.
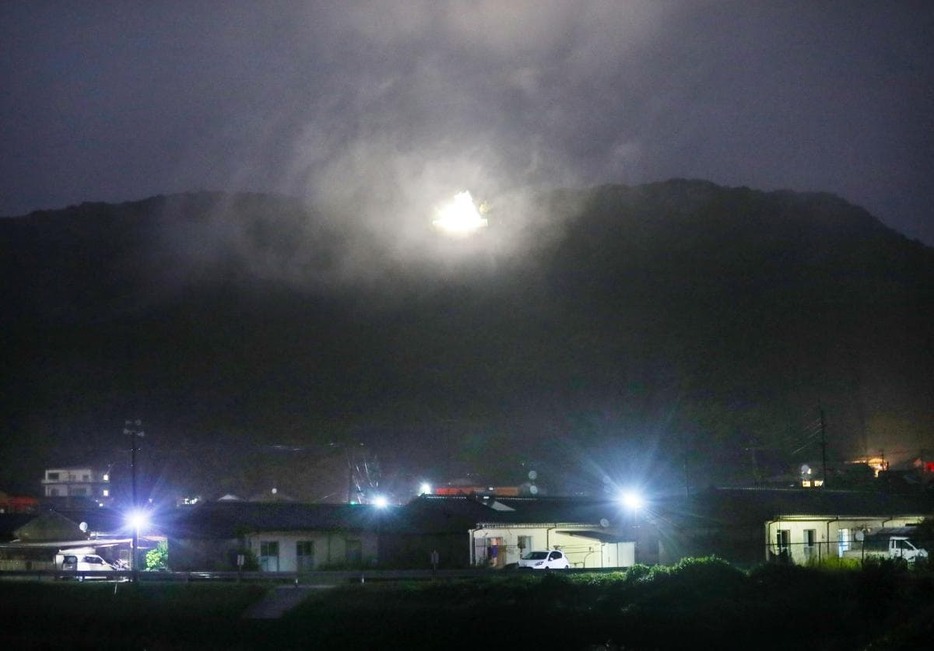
<point x="671" y="333"/>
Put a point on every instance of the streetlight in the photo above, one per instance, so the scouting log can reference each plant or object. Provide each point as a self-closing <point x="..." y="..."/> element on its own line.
<point x="131" y="429"/>
<point x="137" y="519"/>
<point x="631" y="500"/>
<point x="381" y="503"/>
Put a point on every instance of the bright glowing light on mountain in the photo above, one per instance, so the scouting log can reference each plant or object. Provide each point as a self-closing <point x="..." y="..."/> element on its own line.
<point x="460" y="216"/>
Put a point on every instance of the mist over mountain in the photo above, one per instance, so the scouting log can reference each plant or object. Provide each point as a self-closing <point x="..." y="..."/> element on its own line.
<point x="673" y="334"/>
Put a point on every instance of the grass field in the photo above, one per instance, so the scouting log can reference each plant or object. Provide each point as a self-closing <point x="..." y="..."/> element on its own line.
<point x="698" y="604"/>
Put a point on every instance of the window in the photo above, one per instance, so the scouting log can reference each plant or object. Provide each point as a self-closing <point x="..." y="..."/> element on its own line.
<point x="525" y="543"/>
<point x="51" y="476"/>
<point x="305" y="555"/>
<point x="354" y="554"/>
<point x="843" y="541"/>
<point x="810" y="542"/>
<point x="269" y="556"/>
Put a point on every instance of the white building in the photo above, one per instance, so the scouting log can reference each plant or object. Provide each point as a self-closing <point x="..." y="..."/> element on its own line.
<point x="499" y="545"/>
<point x="77" y="482"/>
<point x="749" y="525"/>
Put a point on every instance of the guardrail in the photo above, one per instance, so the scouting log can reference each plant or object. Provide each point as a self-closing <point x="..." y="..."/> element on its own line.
<point x="320" y="577"/>
<point x="323" y="577"/>
<point x="50" y="575"/>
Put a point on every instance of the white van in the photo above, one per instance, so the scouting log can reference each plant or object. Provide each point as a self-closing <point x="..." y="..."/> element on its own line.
<point x="80" y="561"/>
<point x="889" y="543"/>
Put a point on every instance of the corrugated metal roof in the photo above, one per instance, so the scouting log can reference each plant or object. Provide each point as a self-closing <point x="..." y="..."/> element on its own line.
<point x="433" y="514"/>
<point x="749" y="506"/>
<point x="54" y="523"/>
<point x="233" y="519"/>
<point x="460" y="513"/>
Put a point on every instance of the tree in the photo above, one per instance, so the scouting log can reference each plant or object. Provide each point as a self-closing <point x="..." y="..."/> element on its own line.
<point x="158" y="557"/>
<point x="923" y="535"/>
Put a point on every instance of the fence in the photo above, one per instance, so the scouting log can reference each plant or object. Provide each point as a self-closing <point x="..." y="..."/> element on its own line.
<point x="329" y="577"/>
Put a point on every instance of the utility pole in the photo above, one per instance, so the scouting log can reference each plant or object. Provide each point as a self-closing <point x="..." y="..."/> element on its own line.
<point x="823" y="446"/>
<point x="132" y="429"/>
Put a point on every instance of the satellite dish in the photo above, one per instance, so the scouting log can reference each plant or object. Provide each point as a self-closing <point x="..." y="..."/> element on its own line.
<point x="533" y="490"/>
<point x="83" y="526"/>
<point x="533" y="475"/>
<point x="604" y="522"/>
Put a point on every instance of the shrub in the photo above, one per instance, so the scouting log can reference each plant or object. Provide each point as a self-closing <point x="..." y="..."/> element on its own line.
<point x="834" y="563"/>
<point x="881" y="587"/>
<point x="158" y="557"/>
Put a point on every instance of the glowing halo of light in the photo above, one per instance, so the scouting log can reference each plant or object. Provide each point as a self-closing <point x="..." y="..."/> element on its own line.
<point x="631" y="500"/>
<point x="460" y="216"/>
<point x="137" y="519"/>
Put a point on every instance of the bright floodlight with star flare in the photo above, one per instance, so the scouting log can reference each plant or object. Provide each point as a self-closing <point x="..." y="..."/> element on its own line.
<point x="459" y="216"/>
<point x="137" y="519"/>
<point x="631" y="500"/>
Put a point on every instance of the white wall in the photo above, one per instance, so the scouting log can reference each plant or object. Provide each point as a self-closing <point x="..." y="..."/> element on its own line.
<point x="582" y="551"/>
<point x="330" y="548"/>
<point x="828" y="534"/>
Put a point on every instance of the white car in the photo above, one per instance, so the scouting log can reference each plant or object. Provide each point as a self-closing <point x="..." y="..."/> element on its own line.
<point x="545" y="560"/>
<point x="81" y="563"/>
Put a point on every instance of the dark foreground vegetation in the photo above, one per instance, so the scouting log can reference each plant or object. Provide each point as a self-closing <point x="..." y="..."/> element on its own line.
<point x="698" y="604"/>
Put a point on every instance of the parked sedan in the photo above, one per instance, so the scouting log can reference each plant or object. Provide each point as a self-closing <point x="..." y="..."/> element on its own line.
<point x="545" y="560"/>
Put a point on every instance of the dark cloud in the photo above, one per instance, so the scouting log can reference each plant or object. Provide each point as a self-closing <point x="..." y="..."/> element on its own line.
<point x="399" y="104"/>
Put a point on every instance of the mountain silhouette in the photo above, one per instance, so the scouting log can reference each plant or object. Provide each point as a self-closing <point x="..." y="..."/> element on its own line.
<point x="674" y="334"/>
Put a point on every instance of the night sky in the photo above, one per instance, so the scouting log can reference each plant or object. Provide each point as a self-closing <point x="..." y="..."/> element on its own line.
<point x="116" y="101"/>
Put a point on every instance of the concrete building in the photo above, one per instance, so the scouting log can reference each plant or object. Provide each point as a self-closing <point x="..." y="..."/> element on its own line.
<point x="77" y="483"/>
